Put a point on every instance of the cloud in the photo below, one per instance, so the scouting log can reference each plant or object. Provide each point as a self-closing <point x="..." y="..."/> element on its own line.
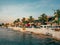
<point x="18" y="8"/>
<point x="11" y="12"/>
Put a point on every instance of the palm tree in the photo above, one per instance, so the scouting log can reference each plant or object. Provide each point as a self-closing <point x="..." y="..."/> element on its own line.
<point x="16" y="22"/>
<point x="57" y="15"/>
<point x="23" y="20"/>
<point x="2" y="24"/>
<point x="31" y="19"/>
<point x="6" y="25"/>
<point x="39" y="18"/>
<point x="43" y="18"/>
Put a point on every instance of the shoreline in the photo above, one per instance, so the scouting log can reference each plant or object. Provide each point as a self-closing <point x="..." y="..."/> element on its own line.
<point x="39" y="31"/>
<point x="48" y="32"/>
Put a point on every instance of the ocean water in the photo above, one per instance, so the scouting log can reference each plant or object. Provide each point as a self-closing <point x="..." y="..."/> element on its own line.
<point x="11" y="37"/>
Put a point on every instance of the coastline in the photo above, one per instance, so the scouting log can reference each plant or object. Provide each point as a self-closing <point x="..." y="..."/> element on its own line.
<point x="53" y="34"/>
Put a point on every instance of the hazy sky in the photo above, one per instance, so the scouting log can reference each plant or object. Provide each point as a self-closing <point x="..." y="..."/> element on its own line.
<point x="12" y="9"/>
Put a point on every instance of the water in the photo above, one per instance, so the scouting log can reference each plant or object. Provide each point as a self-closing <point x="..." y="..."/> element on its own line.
<point x="11" y="37"/>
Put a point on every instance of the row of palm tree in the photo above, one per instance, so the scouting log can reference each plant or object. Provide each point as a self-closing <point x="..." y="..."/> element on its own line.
<point x="42" y="18"/>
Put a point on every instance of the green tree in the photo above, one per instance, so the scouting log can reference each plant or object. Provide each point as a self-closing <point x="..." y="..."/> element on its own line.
<point x="57" y="14"/>
<point x="2" y="24"/>
<point x="6" y="25"/>
<point x="23" y="20"/>
<point x="31" y="19"/>
<point x="16" y="21"/>
<point x="43" y="18"/>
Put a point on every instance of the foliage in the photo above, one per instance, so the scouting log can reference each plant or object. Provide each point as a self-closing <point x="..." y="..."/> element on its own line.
<point x="43" y="18"/>
<point x="16" y="21"/>
<point x="31" y="19"/>
<point x="57" y="14"/>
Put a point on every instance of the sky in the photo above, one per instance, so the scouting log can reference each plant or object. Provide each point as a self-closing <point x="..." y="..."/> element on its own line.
<point x="13" y="9"/>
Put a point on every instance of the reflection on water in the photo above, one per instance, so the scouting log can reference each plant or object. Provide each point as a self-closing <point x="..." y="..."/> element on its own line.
<point x="10" y="37"/>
